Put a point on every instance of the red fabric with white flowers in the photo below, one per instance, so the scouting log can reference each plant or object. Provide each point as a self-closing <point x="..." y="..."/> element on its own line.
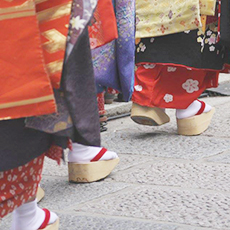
<point x="173" y="86"/>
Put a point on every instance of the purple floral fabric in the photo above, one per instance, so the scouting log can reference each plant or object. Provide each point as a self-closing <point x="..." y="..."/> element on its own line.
<point x="114" y="62"/>
<point x="81" y="14"/>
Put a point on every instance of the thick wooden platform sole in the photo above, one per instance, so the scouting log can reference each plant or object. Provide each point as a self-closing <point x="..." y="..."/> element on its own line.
<point x="54" y="226"/>
<point x="40" y="194"/>
<point x="148" y="116"/>
<point x="195" y="125"/>
<point x="93" y="171"/>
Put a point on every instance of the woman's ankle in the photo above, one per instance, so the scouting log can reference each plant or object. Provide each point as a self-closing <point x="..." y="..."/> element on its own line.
<point x="84" y="154"/>
<point x="29" y="216"/>
<point x="192" y="110"/>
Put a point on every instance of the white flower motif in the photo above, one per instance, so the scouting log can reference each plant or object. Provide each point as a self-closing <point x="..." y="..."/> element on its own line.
<point x="171" y="69"/>
<point x="12" y="192"/>
<point x="8" y="203"/>
<point x="77" y="23"/>
<point x="149" y="66"/>
<point x="209" y="32"/>
<point x="3" y="187"/>
<point x="212" y="40"/>
<point x="35" y="160"/>
<point x="3" y="212"/>
<point x="191" y="86"/>
<point x="143" y="48"/>
<point x="168" y="98"/>
<point x="187" y="31"/>
<point x="138" y="88"/>
<point x="152" y="40"/>
<point x="9" y="178"/>
<point x="212" y="48"/>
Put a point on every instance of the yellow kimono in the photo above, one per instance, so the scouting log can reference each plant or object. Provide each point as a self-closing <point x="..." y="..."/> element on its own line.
<point x="158" y="18"/>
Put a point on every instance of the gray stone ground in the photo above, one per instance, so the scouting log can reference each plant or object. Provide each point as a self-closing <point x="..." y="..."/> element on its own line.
<point x="163" y="182"/>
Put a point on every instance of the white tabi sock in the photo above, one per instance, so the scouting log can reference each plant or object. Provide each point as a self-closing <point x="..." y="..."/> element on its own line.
<point x="30" y="217"/>
<point x="84" y="154"/>
<point x="192" y="110"/>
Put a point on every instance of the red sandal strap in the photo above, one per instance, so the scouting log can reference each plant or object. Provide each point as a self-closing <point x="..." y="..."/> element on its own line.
<point x="99" y="155"/>
<point x="47" y="219"/>
<point x="201" y="108"/>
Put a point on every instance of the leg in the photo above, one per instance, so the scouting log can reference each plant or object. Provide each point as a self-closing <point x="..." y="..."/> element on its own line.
<point x="20" y="193"/>
<point x="173" y="87"/>
<point x="143" y="110"/>
<point x="29" y="216"/>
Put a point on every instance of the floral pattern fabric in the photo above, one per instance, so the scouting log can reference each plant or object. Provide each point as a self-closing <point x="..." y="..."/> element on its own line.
<point x="170" y="86"/>
<point x="172" y="71"/>
<point x="203" y="51"/>
<point x="103" y="27"/>
<point x="19" y="185"/>
<point x="101" y="103"/>
<point x="116" y="59"/>
<point x="166" y="17"/>
<point x="82" y="11"/>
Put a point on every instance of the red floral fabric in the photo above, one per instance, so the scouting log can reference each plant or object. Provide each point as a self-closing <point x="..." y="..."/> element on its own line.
<point x="101" y="103"/>
<point x="19" y="185"/>
<point x="170" y="86"/>
<point x="104" y="26"/>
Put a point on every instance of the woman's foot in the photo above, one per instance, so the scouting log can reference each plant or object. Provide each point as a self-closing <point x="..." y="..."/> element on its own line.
<point x="148" y="116"/>
<point x="193" y="109"/>
<point x="83" y="154"/>
<point x="29" y="216"/>
<point x="195" y="119"/>
<point x="89" y="164"/>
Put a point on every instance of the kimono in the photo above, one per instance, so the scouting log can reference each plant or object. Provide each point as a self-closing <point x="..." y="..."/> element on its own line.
<point x="174" y="68"/>
<point x="114" y="62"/>
<point x="43" y="105"/>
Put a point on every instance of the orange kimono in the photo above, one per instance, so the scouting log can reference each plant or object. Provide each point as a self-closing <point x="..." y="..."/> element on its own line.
<point x="32" y="43"/>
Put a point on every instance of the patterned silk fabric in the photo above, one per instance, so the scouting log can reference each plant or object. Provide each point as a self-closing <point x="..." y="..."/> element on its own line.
<point x="158" y="18"/>
<point x="119" y="61"/>
<point x="103" y="27"/>
<point x="207" y="7"/>
<point x="162" y="17"/>
<point x="82" y="11"/>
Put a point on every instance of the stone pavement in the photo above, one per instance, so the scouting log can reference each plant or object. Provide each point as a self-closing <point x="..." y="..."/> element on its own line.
<point x="163" y="182"/>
